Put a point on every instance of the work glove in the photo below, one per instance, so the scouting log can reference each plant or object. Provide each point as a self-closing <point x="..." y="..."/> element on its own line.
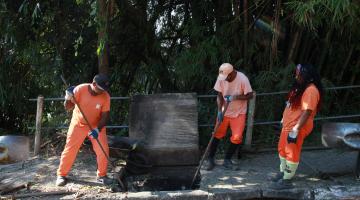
<point x="94" y="133"/>
<point x="69" y="93"/>
<point x="220" y="116"/>
<point x="229" y="98"/>
<point x="292" y="137"/>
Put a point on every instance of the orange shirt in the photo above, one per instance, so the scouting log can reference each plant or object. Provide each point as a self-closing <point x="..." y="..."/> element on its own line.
<point x="239" y="86"/>
<point x="92" y="106"/>
<point x="309" y="101"/>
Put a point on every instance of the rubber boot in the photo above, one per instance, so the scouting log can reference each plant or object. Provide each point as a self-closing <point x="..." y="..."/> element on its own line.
<point x="212" y="151"/>
<point x="228" y="164"/>
<point x="286" y="181"/>
<point x="282" y="184"/>
<point x="276" y="177"/>
<point x="290" y="169"/>
<point x="280" y="174"/>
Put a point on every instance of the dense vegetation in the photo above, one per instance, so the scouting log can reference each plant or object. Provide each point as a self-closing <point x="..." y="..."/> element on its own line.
<point x="158" y="46"/>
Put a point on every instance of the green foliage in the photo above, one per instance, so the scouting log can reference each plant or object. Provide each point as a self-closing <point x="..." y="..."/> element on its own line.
<point x="334" y="13"/>
<point x="172" y="46"/>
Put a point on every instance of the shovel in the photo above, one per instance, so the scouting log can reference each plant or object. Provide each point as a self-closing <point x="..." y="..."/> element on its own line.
<point x="208" y="146"/>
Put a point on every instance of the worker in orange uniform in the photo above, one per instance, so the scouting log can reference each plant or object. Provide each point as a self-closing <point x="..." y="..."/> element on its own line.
<point x="304" y="100"/>
<point x="234" y="88"/>
<point x="94" y="101"/>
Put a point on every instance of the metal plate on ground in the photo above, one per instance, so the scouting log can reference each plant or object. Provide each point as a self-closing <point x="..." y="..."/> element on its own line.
<point x="337" y="135"/>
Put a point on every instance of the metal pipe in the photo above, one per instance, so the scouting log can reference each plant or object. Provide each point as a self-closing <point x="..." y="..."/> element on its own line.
<point x="212" y="95"/>
<point x="211" y="125"/>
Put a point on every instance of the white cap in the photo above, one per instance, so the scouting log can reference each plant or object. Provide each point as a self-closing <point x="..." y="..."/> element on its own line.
<point x="224" y="70"/>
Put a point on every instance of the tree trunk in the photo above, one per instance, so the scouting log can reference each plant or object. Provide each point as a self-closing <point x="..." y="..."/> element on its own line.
<point x="305" y="49"/>
<point x="236" y="4"/>
<point x="355" y="72"/>
<point x="196" y="21"/>
<point x="325" y="49"/>
<point x="294" y="45"/>
<point x="223" y="13"/>
<point x="246" y="25"/>
<point x="105" y="7"/>
<point x="274" y="42"/>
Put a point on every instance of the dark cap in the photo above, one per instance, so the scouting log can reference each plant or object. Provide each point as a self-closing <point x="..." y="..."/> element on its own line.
<point x="102" y="80"/>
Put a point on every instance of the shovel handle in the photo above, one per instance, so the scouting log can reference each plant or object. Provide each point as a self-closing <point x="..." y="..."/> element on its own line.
<point x="209" y="144"/>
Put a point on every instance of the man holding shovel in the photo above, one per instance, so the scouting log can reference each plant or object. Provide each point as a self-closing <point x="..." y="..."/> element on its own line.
<point x="234" y="88"/>
<point x="94" y="102"/>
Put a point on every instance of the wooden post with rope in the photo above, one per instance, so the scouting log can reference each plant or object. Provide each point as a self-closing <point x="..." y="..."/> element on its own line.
<point x="39" y="112"/>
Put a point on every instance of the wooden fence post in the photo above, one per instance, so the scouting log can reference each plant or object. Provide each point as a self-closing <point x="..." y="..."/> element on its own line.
<point x="39" y="112"/>
<point x="250" y="122"/>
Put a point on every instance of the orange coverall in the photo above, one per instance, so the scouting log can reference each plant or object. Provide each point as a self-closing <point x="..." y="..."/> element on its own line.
<point x="92" y="106"/>
<point x="309" y="101"/>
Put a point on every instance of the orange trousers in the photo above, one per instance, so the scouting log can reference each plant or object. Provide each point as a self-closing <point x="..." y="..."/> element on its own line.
<point x="75" y="137"/>
<point x="237" y="126"/>
<point x="291" y="151"/>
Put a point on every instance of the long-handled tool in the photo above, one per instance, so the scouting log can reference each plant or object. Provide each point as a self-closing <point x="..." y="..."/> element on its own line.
<point x="208" y="146"/>
<point x="118" y="178"/>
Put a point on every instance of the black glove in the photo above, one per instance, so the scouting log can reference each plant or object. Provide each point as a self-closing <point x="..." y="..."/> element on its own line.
<point x="69" y="93"/>
<point x="94" y="133"/>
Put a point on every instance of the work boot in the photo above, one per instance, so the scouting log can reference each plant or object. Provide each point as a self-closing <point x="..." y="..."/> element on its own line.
<point x="212" y="150"/>
<point x="231" y="150"/>
<point x="282" y="184"/>
<point x="211" y="164"/>
<point x="277" y="177"/>
<point x="61" y="181"/>
<point x="104" y="180"/>
<point x="228" y="164"/>
<point x="213" y="147"/>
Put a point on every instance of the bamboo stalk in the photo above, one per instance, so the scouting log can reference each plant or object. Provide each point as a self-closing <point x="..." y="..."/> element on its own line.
<point x="352" y="80"/>
<point x="325" y="49"/>
<point x="294" y="45"/>
<point x="274" y="41"/>
<point x="346" y="63"/>
<point x="245" y="5"/>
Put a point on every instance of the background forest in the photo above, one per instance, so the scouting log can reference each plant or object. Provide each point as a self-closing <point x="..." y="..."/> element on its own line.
<point x="157" y="46"/>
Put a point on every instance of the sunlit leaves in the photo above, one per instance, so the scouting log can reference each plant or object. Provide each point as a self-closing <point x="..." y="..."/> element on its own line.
<point x="77" y="44"/>
<point x="314" y="13"/>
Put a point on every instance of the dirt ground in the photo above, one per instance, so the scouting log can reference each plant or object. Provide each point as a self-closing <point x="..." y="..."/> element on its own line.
<point x="250" y="182"/>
